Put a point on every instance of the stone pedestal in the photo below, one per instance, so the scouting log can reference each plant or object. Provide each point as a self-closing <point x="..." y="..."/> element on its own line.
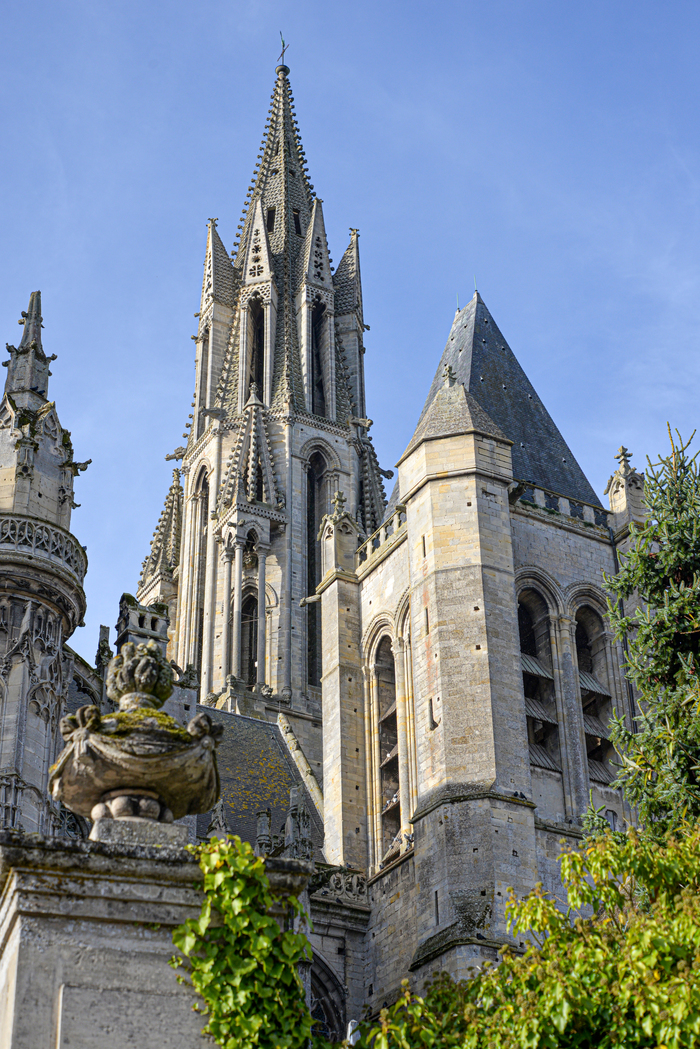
<point x="85" y="938"/>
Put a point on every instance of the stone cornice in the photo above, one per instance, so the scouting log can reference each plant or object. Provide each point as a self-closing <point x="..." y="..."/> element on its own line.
<point x="457" y="792"/>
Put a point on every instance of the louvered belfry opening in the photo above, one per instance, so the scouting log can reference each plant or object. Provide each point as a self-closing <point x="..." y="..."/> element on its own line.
<point x="388" y="746"/>
<point x="596" y="701"/>
<point x="538" y="682"/>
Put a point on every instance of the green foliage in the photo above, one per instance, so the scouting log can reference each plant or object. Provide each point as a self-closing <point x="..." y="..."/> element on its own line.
<point x="627" y="976"/>
<point x="237" y="957"/>
<point x="660" y="762"/>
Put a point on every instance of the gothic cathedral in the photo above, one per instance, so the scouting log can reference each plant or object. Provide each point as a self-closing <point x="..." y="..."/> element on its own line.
<point x="431" y="677"/>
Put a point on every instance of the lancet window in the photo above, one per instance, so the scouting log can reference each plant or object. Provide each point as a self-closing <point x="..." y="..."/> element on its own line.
<point x="318" y="331"/>
<point x="249" y="639"/>
<point x="596" y="700"/>
<point x="256" y="343"/>
<point x="538" y="682"/>
<point x="387" y="728"/>
<point x="202" y="524"/>
<point x="317" y="503"/>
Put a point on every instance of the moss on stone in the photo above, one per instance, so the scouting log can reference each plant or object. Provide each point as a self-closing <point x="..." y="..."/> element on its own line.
<point x="128" y="721"/>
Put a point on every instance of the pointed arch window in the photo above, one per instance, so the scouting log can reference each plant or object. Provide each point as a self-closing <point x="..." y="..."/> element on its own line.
<point x="249" y="639"/>
<point x="256" y="342"/>
<point x="389" y="774"/>
<point x="595" y="694"/>
<point x="200" y="568"/>
<point x="318" y="386"/>
<point x="316" y="507"/>
<point x="538" y="682"/>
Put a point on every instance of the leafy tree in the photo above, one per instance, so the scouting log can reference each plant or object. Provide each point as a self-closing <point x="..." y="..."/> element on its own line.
<point x="628" y="976"/>
<point x="238" y="959"/>
<point x="660" y="761"/>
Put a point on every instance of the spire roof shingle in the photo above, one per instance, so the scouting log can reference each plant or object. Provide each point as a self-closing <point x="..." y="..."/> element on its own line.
<point x="483" y="361"/>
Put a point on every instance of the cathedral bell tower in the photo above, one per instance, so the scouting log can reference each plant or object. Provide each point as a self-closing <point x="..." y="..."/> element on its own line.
<point x="277" y="427"/>
<point x="42" y="567"/>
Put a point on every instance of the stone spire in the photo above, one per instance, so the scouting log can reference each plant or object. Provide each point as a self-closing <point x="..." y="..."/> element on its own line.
<point x="281" y="196"/>
<point x="28" y="367"/>
<point x="218" y="281"/>
<point x="164" y="555"/>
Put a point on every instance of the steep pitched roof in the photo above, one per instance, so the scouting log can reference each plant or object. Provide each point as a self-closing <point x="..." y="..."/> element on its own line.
<point x="256" y="773"/>
<point x="218" y="282"/>
<point x="483" y="361"/>
<point x="346" y="279"/>
<point x="452" y="411"/>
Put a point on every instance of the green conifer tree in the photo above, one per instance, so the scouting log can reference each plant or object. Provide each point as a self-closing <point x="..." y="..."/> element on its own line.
<point x="660" y="760"/>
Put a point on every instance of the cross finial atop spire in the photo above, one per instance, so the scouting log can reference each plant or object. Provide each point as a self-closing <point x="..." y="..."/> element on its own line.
<point x="623" y="456"/>
<point x="282" y="68"/>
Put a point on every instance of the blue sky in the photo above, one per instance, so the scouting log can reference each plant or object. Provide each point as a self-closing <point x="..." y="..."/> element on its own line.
<point x="550" y="149"/>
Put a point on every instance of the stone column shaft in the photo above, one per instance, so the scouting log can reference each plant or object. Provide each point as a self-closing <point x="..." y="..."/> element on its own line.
<point x="573" y="717"/>
<point x="226" y="612"/>
<point x="262" y="558"/>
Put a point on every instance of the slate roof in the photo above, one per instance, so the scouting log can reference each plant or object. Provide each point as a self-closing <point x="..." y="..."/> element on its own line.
<point x="257" y="772"/>
<point x="452" y="411"/>
<point x="483" y="361"/>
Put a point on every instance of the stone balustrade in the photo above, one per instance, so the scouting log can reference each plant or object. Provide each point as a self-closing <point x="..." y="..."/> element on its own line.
<point x="553" y="503"/>
<point x="389" y="530"/>
<point x="26" y="535"/>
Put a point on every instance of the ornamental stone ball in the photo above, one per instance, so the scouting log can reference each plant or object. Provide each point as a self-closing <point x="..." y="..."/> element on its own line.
<point x="138" y="762"/>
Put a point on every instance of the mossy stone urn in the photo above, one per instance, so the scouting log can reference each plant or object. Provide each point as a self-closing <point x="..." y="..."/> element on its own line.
<point x="138" y="761"/>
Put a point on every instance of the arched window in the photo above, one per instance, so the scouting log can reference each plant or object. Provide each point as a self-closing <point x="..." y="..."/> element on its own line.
<point x="200" y="568"/>
<point x="256" y="341"/>
<point x="595" y="693"/>
<point x="538" y="682"/>
<point x="316" y="508"/>
<point x="249" y="639"/>
<point x="388" y="750"/>
<point x="318" y="388"/>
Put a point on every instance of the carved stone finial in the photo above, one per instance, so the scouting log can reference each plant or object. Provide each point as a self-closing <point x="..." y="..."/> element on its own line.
<point x="623" y="456"/>
<point x="339" y="502"/>
<point x="449" y="375"/>
<point x="138" y="762"/>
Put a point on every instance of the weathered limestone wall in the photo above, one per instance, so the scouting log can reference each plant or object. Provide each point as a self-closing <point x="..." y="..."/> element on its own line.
<point x="85" y="938"/>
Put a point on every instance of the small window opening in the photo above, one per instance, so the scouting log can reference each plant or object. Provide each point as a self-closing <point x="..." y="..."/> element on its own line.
<point x="437" y="909"/>
<point x="297" y="222"/>
<point x="270" y="220"/>
<point x="423" y="541"/>
<point x="154" y="624"/>
<point x="427" y="621"/>
<point x="142" y="621"/>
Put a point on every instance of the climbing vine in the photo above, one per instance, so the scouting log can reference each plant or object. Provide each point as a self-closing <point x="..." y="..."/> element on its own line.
<point x="238" y="959"/>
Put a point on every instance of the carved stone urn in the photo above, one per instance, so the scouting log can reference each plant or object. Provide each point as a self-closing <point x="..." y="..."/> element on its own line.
<point x="139" y="761"/>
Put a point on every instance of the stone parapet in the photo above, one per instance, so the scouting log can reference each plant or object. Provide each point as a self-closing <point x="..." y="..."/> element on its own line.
<point x="38" y="540"/>
<point x="85" y="939"/>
